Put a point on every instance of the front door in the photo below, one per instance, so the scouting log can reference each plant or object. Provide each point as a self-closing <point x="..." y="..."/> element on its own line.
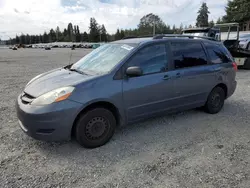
<point x="152" y="92"/>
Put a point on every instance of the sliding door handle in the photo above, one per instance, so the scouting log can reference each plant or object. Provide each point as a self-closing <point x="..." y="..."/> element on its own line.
<point x="178" y="75"/>
<point x="166" y="77"/>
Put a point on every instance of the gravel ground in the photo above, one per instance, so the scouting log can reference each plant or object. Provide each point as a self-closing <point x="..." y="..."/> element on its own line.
<point x="188" y="149"/>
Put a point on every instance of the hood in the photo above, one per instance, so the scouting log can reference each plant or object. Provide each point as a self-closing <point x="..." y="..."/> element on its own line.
<point x="52" y="80"/>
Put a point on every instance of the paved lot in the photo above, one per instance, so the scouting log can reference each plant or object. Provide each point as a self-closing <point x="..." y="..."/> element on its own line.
<point x="189" y="149"/>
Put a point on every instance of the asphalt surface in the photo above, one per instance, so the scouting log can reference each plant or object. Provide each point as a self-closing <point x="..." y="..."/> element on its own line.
<point x="188" y="149"/>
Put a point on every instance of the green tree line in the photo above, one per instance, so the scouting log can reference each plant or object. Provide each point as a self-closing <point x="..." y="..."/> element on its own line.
<point x="236" y="11"/>
<point x="150" y="24"/>
<point x="70" y="34"/>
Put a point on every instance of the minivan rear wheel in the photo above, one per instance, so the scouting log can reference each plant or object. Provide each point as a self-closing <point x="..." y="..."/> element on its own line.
<point x="215" y="101"/>
<point x="95" y="128"/>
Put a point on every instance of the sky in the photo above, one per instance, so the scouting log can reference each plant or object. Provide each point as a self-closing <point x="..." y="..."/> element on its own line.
<point x="37" y="16"/>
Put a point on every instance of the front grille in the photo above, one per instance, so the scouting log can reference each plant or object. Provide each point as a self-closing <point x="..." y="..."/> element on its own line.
<point x="26" y="98"/>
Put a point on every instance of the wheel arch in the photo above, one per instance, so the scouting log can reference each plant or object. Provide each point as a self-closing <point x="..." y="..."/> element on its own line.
<point x="103" y="104"/>
<point x="224" y="87"/>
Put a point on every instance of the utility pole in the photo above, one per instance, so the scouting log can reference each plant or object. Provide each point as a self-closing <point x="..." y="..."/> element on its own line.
<point x="154" y="29"/>
<point x="153" y="24"/>
<point x="10" y="40"/>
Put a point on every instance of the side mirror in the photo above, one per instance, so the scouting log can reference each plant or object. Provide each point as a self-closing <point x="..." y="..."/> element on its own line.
<point x="134" y="71"/>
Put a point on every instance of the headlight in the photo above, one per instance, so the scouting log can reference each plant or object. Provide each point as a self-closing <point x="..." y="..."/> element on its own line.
<point x="53" y="96"/>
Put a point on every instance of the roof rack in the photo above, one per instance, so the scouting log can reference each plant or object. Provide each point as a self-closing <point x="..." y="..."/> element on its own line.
<point x="182" y="36"/>
<point x="197" y="28"/>
<point x="226" y="24"/>
<point x="132" y="37"/>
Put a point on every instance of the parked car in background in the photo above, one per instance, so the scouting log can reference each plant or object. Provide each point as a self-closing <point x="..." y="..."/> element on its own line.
<point x="244" y="41"/>
<point x="124" y="82"/>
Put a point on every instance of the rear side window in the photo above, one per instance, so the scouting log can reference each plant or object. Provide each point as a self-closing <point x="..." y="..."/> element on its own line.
<point x="188" y="54"/>
<point x="218" y="53"/>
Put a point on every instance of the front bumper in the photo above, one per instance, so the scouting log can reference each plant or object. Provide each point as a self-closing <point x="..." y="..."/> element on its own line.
<point x="51" y="122"/>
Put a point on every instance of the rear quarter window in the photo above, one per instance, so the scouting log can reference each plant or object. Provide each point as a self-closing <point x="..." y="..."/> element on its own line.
<point x="188" y="54"/>
<point x="218" y="53"/>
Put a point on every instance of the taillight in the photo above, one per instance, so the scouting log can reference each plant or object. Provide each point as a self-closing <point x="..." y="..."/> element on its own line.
<point x="235" y="66"/>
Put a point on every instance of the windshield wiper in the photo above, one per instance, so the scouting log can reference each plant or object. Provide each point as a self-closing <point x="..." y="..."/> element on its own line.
<point x="68" y="66"/>
<point x="78" y="71"/>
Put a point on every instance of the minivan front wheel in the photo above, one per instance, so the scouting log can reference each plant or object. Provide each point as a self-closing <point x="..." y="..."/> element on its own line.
<point x="215" y="101"/>
<point x="95" y="128"/>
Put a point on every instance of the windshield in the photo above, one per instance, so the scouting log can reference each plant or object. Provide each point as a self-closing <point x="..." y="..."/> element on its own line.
<point x="103" y="59"/>
<point x="243" y="36"/>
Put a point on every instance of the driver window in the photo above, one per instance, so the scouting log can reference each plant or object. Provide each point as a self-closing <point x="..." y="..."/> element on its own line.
<point x="151" y="59"/>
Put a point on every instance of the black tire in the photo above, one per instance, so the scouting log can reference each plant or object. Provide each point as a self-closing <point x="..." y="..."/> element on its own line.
<point x="95" y="128"/>
<point x="215" y="101"/>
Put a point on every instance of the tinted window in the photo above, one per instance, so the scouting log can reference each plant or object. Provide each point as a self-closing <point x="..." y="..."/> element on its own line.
<point x="218" y="53"/>
<point x="188" y="54"/>
<point x="151" y="59"/>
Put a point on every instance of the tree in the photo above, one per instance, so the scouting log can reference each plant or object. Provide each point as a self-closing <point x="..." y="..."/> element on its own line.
<point x="85" y="37"/>
<point x="65" y="35"/>
<point x="122" y="34"/>
<point x="27" y="39"/>
<point x="37" y="38"/>
<point x="77" y="29"/>
<point x="52" y="35"/>
<point x="103" y="33"/>
<point x="94" y="33"/>
<point x="237" y="11"/>
<point x="150" y="22"/>
<point x="167" y="30"/>
<point x="202" y="18"/>
<point x="219" y="21"/>
<point x="77" y="34"/>
<point x="45" y="37"/>
<point x="70" y="32"/>
<point x="174" y="27"/>
<point x="58" y="34"/>
<point x="211" y="23"/>
<point x="40" y="39"/>
<point x="22" y="39"/>
<point x="180" y="28"/>
<point x="17" y="39"/>
<point x="117" y="35"/>
<point x="74" y="34"/>
<point x="32" y="39"/>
